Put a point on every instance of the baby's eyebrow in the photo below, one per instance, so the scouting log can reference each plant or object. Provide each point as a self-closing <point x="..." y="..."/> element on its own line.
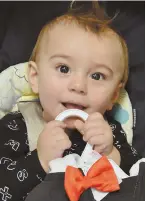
<point x="100" y="65"/>
<point x="60" y="55"/>
<point x="65" y="56"/>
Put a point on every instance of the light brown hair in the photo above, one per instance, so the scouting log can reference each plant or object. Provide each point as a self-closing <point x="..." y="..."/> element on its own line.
<point x="93" y="20"/>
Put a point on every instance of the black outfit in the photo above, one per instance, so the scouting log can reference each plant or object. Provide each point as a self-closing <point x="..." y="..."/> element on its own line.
<point x="20" y="169"/>
<point x="52" y="189"/>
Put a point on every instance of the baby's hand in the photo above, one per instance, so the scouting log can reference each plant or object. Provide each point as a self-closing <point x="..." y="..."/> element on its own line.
<point x="97" y="132"/>
<point x="52" y="142"/>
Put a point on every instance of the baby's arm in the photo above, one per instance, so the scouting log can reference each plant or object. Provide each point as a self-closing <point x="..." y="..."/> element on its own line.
<point x="20" y="170"/>
<point x="19" y="177"/>
<point x="108" y="141"/>
<point x="128" y="155"/>
<point x="115" y="156"/>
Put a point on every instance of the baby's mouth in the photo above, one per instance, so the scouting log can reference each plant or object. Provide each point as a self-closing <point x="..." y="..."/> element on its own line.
<point x="73" y="106"/>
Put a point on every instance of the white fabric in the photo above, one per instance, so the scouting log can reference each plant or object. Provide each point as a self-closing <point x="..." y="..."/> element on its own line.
<point x="135" y="168"/>
<point x="32" y="114"/>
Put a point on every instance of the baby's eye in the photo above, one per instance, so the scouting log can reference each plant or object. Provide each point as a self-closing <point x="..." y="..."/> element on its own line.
<point x="63" y="68"/>
<point x="97" y="76"/>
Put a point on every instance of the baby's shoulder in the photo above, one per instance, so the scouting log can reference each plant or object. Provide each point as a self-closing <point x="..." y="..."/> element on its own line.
<point x="12" y="118"/>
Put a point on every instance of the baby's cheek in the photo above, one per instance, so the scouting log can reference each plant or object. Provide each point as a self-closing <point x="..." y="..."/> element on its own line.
<point x="98" y="104"/>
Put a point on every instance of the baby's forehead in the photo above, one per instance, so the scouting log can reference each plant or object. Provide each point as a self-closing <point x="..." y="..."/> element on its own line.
<point x="64" y="28"/>
<point x="107" y="38"/>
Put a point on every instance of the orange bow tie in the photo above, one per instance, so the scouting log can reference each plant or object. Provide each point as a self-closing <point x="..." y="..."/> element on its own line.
<point x="100" y="176"/>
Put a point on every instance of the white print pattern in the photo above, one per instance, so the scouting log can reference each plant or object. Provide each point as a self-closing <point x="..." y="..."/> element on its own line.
<point x="71" y="150"/>
<point x="5" y="194"/>
<point x="74" y="146"/>
<point x="133" y="151"/>
<point x="12" y="166"/>
<point x="28" y="154"/>
<point x="22" y="175"/>
<point x="23" y="119"/>
<point x="113" y="127"/>
<point x="13" y="125"/>
<point x="39" y="178"/>
<point x="26" y="142"/>
<point x="121" y="131"/>
<point x="7" y="161"/>
<point x="24" y="197"/>
<point x="117" y="144"/>
<point x="15" y="145"/>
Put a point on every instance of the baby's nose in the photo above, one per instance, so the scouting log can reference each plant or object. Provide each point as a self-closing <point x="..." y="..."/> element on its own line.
<point x="78" y="84"/>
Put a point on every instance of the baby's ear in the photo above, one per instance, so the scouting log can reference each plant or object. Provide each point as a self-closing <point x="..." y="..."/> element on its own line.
<point x="33" y="76"/>
<point x="115" y="96"/>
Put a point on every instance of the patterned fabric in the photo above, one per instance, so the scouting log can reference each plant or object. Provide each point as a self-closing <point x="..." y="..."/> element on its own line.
<point x="20" y="170"/>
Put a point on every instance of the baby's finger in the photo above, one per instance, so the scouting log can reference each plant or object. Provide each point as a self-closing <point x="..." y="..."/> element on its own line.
<point x="91" y="124"/>
<point x="96" y="140"/>
<point x="59" y="132"/>
<point x="80" y="126"/>
<point x="64" y="144"/>
<point x="56" y="123"/>
<point x="98" y="129"/>
<point x="93" y="132"/>
<point x="100" y="149"/>
<point x="95" y="116"/>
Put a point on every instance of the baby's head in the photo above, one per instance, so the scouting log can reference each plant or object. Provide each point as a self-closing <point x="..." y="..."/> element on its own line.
<point x="78" y="62"/>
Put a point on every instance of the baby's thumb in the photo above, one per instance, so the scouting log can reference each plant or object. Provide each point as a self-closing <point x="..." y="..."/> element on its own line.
<point x="79" y="126"/>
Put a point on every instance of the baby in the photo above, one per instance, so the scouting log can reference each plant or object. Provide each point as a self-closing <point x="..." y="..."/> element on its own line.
<point x="78" y="62"/>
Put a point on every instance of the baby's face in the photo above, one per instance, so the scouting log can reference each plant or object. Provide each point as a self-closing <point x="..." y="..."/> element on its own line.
<point x="77" y="69"/>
